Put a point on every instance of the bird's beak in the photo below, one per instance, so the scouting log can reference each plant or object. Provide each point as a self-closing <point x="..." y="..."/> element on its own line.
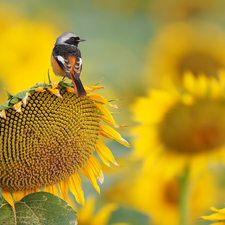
<point x="81" y="40"/>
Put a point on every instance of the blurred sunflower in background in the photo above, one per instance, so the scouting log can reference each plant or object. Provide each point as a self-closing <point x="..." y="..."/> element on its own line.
<point x="154" y="194"/>
<point x="29" y="44"/>
<point x="185" y="46"/>
<point x="88" y="214"/>
<point x="182" y="128"/>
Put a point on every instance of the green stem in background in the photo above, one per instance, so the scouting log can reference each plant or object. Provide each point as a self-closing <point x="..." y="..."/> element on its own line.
<point x="184" y="198"/>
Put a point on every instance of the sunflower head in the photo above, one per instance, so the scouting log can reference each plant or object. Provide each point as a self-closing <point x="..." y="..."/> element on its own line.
<point x="185" y="46"/>
<point x="184" y="124"/>
<point x="48" y="135"/>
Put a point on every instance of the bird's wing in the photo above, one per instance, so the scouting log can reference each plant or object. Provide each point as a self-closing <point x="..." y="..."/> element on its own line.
<point x="63" y="63"/>
<point x="77" y="67"/>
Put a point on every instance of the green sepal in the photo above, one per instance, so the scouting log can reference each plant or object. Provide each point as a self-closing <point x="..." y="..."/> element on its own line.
<point x="21" y="94"/>
<point x="5" y="105"/>
<point x="63" y="84"/>
<point x="36" y="86"/>
<point x="9" y="95"/>
<point x="99" y="81"/>
<point x="49" y="79"/>
<point x="46" y="86"/>
<point x="14" y="100"/>
<point x="113" y="100"/>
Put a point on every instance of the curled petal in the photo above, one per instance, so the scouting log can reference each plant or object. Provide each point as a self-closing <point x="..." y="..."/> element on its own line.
<point x="99" y="98"/>
<point x="109" y="132"/>
<point x="24" y="100"/>
<point x="69" y="89"/>
<point x="92" y="170"/>
<point x="108" y="115"/>
<point x="17" y="106"/>
<point x="105" y="154"/>
<point x="3" y="114"/>
<point x="55" y="85"/>
<point x="90" y="89"/>
<point x="55" y="92"/>
<point x="40" y="89"/>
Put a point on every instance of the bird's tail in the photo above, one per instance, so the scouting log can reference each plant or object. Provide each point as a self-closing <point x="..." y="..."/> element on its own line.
<point x="78" y="86"/>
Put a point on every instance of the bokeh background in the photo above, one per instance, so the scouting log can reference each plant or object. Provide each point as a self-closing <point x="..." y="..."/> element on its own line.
<point x="134" y="45"/>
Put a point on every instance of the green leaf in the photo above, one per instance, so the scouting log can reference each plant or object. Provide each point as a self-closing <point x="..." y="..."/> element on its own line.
<point x="39" y="208"/>
<point x="5" y="105"/>
<point x="6" y="213"/>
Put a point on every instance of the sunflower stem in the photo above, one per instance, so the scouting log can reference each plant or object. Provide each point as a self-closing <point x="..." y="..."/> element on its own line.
<point x="184" y="196"/>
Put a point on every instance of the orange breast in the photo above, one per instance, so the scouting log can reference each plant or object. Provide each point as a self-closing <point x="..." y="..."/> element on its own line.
<point x="56" y="68"/>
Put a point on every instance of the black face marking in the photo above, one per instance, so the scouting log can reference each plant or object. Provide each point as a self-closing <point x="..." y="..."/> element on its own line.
<point x="73" y="41"/>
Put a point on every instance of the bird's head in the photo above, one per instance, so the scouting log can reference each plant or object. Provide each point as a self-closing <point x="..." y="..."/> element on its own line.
<point x="68" y="38"/>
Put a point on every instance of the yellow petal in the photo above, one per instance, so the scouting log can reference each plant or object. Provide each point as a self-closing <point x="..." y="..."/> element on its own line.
<point x="76" y="188"/>
<point x="27" y="192"/>
<point x="99" y="98"/>
<point x="40" y="89"/>
<point x="55" y="92"/>
<point x="52" y="189"/>
<point x="105" y="154"/>
<point x="69" y="89"/>
<point x="217" y="210"/>
<point x="3" y="114"/>
<point x="109" y="132"/>
<point x="104" y="213"/>
<point x="22" y="194"/>
<point x="90" y="89"/>
<point x="92" y="170"/>
<point x="17" y="106"/>
<point x="54" y="85"/>
<point x="8" y="197"/>
<point x="106" y="120"/>
<point x="24" y="100"/>
<point x="64" y="189"/>
<point x="106" y="112"/>
<point x="86" y="213"/>
<point x="189" y="82"/>
<point x="17" y="196"/>
<point x="214" y="216"/>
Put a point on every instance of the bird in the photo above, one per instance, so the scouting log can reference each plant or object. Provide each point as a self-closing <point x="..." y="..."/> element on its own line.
<point x="66" y="60"/>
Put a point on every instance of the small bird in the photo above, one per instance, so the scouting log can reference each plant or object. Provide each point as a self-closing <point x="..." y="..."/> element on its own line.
<point x="66" y="60"/>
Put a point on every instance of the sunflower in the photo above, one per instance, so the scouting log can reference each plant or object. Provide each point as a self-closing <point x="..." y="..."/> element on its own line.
<point x="48" y="135"/>
<point x="88" y="215"/>
<point x="182" y="128"/>
<point x="185" y="46"/>
<point x="218" y="216"/>
<point x="18" y="42"/>
<point x="153" y="194"/>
